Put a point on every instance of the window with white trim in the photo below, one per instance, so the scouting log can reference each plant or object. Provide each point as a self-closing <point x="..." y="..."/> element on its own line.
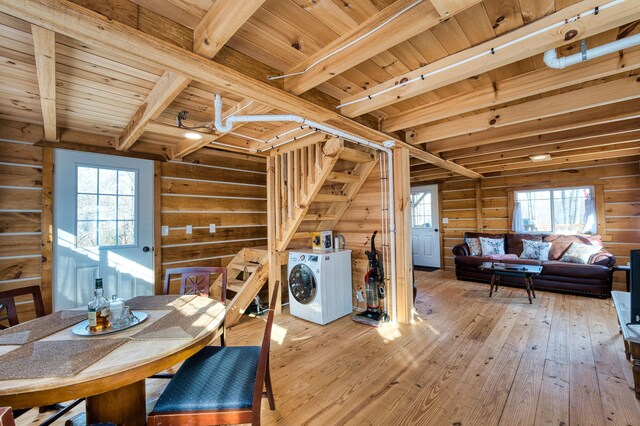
<point x="106" y="207"/>
<point x="421" y="210"/>
<point x="557" y="210"/>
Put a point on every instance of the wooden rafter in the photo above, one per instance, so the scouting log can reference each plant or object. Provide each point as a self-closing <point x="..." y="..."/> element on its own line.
<point x="344" y="55"/>
<point x="612" y="17"/>
<point x="602" y="94"/>
<point x="614" y="114"/>
<point x="220" y="22"/>
<point x="80" y="23"/>
<point x="518" y="87"/>
<point x="44" y="46"/>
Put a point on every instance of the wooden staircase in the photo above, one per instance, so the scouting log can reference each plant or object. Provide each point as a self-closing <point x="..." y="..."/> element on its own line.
<point x="314" y="185"/>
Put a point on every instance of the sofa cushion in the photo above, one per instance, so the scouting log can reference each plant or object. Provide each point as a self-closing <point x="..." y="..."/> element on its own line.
<point x="513" y="242"/>
<point x="560" y="243"/>
<point x="535" y="250"/>
<point x="579" y="253"/>
<point x="474" y="246"/>
<point x="492" y="246"/>
<point x="573" y="271"/>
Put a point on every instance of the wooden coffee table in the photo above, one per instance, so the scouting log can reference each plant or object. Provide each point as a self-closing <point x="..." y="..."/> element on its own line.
<point x="115" y="385"/>
<point x="514" y="270"/>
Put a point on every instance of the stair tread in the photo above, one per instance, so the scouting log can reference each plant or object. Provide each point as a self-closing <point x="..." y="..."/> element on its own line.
<point x="356" y="156"/>
<point x="319" y="217"/>
<point x="332" y="198"/>
<point x="340" y="177"/>
<point x="241" y="266"/>
<point x="234" y="284"/>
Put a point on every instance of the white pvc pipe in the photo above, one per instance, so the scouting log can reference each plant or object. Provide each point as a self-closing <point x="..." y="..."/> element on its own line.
<point x="227" y="126"/>
<point x="553" y="61"/>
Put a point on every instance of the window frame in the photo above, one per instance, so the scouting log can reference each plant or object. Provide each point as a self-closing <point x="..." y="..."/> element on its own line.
<point x="597" y="193"/>
<point x="117" y="195"/>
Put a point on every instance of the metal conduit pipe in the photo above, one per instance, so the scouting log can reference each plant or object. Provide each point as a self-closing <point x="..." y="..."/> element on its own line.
<point x="552" y="60"/>
<point x="387" y="147"/>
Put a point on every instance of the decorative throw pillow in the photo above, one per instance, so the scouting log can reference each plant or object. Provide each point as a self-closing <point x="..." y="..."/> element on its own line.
<point x="491" y="246"/>
<point x="579" y="253"/>
<point x="474" y="246"/>
<point x="535" y="250"/>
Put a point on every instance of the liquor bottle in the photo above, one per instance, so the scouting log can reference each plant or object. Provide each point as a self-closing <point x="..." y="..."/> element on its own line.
<point x="98" y="309"/>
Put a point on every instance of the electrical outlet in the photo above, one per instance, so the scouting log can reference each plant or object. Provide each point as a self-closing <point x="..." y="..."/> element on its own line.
<point x="359" y="296"/>
<point x="212" y="228"/>
<point x="189" y="229"/>
<point x="165" y="230"/>
<point x="445" y="220"/>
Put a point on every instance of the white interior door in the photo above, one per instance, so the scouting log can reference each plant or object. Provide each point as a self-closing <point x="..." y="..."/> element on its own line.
<point x="424" y="222"/>
<point x="103" y="227"/>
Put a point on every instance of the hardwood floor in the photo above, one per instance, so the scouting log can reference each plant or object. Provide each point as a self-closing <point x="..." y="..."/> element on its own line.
<point x="468" y="360"/>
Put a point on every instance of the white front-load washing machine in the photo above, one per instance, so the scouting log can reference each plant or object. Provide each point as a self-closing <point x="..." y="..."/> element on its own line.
<point x="320" y="284"/>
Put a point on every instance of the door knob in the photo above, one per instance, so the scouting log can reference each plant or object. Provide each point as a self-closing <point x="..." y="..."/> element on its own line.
<point x="146" y="249"/>
<point x="435" y="230"/>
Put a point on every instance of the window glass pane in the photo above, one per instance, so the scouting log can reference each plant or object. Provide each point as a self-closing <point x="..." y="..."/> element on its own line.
<point x="125" y="233"/>
<point x="126" y="208"/>
<point x="87" y="179"/>
<point x="86" y="234"/>
<point x="107" y="233"/>
<point x="87" y="207"/>
<point x="569" y="209"/>
<point x="536" y="210"/>
<point x="107" y="207"/>
<point x="126" y="182"/>
<point x="421" y="210"/>
<point x="108" y="181"/>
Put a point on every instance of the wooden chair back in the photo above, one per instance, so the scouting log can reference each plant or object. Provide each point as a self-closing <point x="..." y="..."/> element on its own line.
<point x="8" y="301"/>
<point x="6" y="417"/>
<point x="197" y="280"/>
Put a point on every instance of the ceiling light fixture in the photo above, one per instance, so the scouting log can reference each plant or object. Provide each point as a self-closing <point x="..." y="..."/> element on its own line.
<point x="192" y="135"/>
<point x="540" y="157"/>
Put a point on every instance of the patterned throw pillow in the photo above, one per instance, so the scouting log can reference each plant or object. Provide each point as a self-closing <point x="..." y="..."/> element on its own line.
<point x="579" y="253"/>
<point x="474" y="246"/>
<point x="535" y="250"/>
<point x="491" y="246"/>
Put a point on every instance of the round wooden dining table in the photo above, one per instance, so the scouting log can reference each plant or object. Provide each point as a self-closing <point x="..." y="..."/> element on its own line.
<point x="114" y="385"/>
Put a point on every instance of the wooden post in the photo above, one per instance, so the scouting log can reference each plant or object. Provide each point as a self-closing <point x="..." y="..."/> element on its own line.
<point x="272" y="241"/>
<point x="46" y="226"/>
<point x="404" y="268"/>
<point x="157" y="226"/>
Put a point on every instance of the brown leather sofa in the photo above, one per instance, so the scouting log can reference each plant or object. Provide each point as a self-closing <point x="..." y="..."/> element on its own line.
<point x="592" y="279"/>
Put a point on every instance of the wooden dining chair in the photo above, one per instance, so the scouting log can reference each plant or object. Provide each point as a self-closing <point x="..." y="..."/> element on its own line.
<point x="196" y="280"/>
<point x="219" y="385"/>
<point x="8" y="302"/>
<point x="6" y="417"/>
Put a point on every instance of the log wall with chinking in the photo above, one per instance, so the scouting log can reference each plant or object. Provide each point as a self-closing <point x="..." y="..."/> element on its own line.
<point x="473" y="206"/>
<point x="226" y="190"/>
<point x="20" y="220"/>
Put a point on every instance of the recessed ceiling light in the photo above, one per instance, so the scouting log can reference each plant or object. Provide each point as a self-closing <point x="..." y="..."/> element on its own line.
<point x="192" y="135"/>
<point x="540" y="157"/>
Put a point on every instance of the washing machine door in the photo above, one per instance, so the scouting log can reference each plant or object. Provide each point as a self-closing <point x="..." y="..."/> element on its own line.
<point x="302" y="284"/>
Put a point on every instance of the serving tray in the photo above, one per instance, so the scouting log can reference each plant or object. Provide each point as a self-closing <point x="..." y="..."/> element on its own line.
<point x="82" y="328"/>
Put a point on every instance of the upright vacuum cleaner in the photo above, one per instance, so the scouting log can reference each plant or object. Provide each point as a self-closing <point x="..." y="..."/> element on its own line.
<point x="375" y="289"/>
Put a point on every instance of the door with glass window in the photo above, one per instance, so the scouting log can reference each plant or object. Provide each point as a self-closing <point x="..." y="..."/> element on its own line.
<point x="424" y="222"/>
<point x="103" y="227"/>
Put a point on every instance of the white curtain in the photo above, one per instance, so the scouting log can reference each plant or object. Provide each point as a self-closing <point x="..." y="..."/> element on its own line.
<point x="590" y="225"/>
<point x="517" y="224"/>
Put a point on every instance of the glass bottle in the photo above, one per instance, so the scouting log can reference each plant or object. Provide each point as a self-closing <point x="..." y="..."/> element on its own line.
<point x="98" y="309"/>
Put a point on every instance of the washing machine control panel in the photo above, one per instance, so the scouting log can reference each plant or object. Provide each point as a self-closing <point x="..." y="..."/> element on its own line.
<point x="313" y="258"/>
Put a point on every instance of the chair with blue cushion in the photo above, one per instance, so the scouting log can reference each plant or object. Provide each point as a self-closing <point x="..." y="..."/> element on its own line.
<point x="219" y="385"/>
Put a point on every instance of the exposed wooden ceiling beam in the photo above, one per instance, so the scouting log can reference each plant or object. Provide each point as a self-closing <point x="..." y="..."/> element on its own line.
<point x="576" y="120"/>
<point x="44" y="46"/>
<point x="448" y="8"/>
<point x="521" y="86"/>
<point x="602" y="94"/>
<point x="612" y="17"/>
<point x="97" y="31"/>
<point x="585" y="134"/>
<point x="163" y="93"/>
<point x="220" y="22"/>
<point x="419" y="18"/>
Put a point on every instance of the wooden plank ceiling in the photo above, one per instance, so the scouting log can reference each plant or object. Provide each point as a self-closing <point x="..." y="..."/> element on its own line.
<point x="480" y="118"/>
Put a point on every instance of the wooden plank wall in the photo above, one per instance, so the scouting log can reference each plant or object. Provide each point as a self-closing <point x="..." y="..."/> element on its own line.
<point x="20" y="216"/>
<point x="361" y="218"/>
<point x="459" y="200"/>
<point x="228" y="191"/>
